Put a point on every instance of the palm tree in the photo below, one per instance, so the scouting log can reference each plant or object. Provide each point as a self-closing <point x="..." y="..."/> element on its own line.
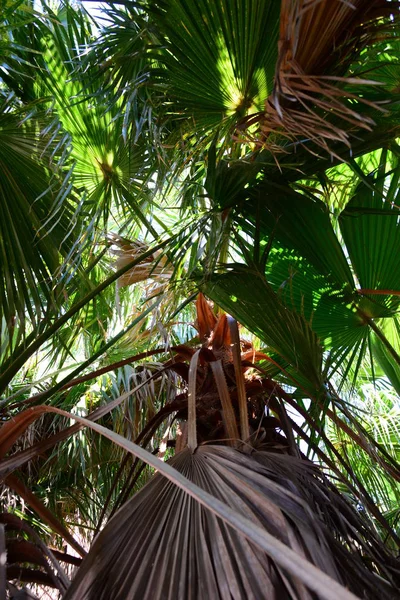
<point x="231" y="148"/>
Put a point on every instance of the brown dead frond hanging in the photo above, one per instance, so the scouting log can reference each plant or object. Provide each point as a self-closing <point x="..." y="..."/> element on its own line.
<point x="311" y="100"/>
<point x="155" y="266"/>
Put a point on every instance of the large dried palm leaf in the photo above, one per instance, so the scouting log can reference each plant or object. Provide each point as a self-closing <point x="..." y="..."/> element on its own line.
<point x="319" y="40"/>
<point x="164" y="545"/>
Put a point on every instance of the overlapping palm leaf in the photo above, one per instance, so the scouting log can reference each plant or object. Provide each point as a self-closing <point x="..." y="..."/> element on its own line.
<point x="317" y="100"/>
<point x="98" y="175"/>
<point x="349" y="300"/>
<point x="39" y="225"/>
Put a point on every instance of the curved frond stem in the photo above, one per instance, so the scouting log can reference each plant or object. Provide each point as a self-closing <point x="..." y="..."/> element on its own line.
<point x="192" y="429"/>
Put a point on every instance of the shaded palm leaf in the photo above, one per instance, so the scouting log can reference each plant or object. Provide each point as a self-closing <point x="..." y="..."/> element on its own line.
<point x="21" y="552"/>
<point x="125" y="76"/>
<point x="20" y="29"/>
<point x="369" y="224"/>
<point x="249" y="298"/>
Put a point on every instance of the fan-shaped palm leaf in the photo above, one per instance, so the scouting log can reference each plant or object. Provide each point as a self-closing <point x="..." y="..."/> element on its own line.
<point x="166" y="532"/>
<point x="38" y="225"/>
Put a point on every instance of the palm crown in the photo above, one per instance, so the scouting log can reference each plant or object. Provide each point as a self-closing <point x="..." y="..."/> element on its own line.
<point x="246" y="150"/>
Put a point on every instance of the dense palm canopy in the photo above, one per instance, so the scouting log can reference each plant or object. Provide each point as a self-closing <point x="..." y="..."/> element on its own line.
<point x="240" y="151"/>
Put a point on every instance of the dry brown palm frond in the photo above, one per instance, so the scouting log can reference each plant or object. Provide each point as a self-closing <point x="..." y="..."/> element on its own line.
<point x="317" y="35"/>
<point x="163" y="544"/>
<point x="156" y="266"/>
<point x="311" y="100"/>
<point x="206" y="320"/>
<point x="30" y="559"/>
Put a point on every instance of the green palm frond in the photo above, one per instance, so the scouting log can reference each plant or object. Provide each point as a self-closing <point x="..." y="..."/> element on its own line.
<point x="39" y="225"/>
<point x="381" y="420"/>
<point x="246" y="295"/>
<point x="321" y="273"/>
<point x="125" y="76"/>
<point x="220" y="59"/>
<point x="20" y="30"/>
<point x="369" y="225"/>
<point x="108" y="172"/>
